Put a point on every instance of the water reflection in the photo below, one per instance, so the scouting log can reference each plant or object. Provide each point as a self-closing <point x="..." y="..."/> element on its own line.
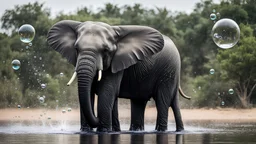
<point x="132" y="139"/>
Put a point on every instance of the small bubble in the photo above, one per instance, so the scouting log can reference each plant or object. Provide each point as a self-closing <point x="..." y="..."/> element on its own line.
<point x="212" y="71"/>
<point x="213" y="10"/>
<point x="231" y="91"/>
<point x="199" y="88"/>
<point x="213" y="16"/>
<point x="61" y="74"/>
<point x="222" y="103"/>
<point x="19" y="106"/>
<point x="43" y="86"/>
<point x="41" y="99"/>
<point x="15" y="64"/>
<point x="34" y="56"/>
<point x="49" y="118"/>
<point x="57" y="101"/>
<point x="30" y="44"/>
<point x="40" y="58"/>
<point x="44" y="96"/>
<point x="69" y="109"/>
<point x="63" y="111"/>
<point x="27" y="47"/>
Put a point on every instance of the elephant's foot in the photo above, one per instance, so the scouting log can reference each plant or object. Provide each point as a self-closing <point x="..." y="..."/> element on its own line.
<point x="86" y="129"/>
<point x="136" y="127"/>
<point x="103" y="129"/>
<point x="116" y="129"/>
<point x="161" y="128"/>
<point x="179" y="129"/>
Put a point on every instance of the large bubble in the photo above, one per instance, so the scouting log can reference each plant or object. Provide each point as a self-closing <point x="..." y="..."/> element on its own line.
<point x="16" y="64"/>
<point x="225" y="33"/>
<point x="27" y="33"/>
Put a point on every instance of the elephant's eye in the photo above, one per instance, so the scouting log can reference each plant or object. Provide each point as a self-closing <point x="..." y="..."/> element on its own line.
<point x="106" y="48"/>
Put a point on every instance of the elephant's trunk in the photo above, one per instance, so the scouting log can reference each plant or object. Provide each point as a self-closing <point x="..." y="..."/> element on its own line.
<point x="86" y="71"/>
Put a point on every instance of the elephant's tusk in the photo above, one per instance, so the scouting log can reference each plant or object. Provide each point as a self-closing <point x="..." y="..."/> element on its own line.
<point x="72" y="79"/>
<point x="99" y="75"/>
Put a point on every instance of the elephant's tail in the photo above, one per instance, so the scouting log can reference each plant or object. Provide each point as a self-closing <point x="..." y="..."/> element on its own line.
<point x="182" y="94"/>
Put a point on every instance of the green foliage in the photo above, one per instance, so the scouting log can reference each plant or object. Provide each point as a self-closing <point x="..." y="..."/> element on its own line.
<point x="234" y="68"/>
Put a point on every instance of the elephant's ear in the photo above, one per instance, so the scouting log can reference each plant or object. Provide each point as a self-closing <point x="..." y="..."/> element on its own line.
<point x="62" y="37"/>
<point x="135" y="43"/>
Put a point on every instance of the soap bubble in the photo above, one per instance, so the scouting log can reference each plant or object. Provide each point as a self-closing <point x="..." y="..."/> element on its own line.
<point x="218" y="15"/>
<point x="213" y="16"/>
<point x="212" y="71"/>
<point x="49" y="118"/>
<point x="231" y="91"/>
<point x="41" y="99"/>
<point x="30" y="44"/>
<point x="43" y="96"/>
<point x="222" y="103"/>
<point x="43" y="86"/>
<point x="27" y="33"/>
<point x="63" y="111"/>
<point x="213" y="10"/>
<point x="61" y="74"/>
<point x="19" y="106"/>
<point x="16" y="64"/>
<point x="69" y="109"/>
<point x="225" y="33"/>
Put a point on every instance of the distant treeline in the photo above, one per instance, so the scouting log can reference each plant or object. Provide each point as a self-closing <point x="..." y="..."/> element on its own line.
<point x="234" y="68"/>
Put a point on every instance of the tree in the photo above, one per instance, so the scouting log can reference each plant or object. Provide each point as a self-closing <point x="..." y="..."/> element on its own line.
<point x="239" y="65"/>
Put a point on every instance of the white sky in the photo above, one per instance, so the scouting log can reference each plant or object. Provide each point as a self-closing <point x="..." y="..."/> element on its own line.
<point x="67" y="6"/>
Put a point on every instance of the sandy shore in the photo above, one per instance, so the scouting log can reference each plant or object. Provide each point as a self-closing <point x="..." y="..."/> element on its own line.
<point x="234" y="115"/>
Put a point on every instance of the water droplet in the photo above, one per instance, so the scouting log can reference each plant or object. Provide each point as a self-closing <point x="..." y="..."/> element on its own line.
<point x="27" y="33"/>
<point x="218" y="15"/>
<point x="222" y="103"/>
<point x="212" y="71"/>
<point x="69" y="109"/>
<point x="15" y="64"/>
<point x="231" y="91"/>
<point x="225" y="33"/>
<point x="30" y="44"/>
<point x="19" y="106"/>
<point x="213" y="16"/>
<point x="63" y="111"/>
<point x="43" y="86"/>
<point x="41" y="99"/>
<point x="61" y="74"/>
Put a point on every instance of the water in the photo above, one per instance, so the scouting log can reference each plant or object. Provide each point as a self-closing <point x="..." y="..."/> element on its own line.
<point x="196" y="133"/>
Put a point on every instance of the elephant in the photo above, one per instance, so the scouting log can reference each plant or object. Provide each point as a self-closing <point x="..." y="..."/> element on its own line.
<point x="126" y="61"/>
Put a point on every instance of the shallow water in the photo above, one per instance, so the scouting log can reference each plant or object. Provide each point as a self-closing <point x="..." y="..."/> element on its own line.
<point x="45" y="132"/>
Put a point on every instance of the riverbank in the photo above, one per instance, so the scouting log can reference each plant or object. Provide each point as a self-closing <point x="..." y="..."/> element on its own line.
<point x="221" y="114"/>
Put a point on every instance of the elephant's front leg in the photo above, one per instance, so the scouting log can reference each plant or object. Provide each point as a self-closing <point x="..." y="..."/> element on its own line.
<point x="84" y="124"/>
<point x="107" y="91"/>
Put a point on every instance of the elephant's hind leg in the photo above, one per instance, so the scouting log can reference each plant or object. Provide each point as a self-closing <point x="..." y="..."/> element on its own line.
<point x="177" y="114"/>
<point x="137" y="115"/>
<point x="162" y="106"/>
